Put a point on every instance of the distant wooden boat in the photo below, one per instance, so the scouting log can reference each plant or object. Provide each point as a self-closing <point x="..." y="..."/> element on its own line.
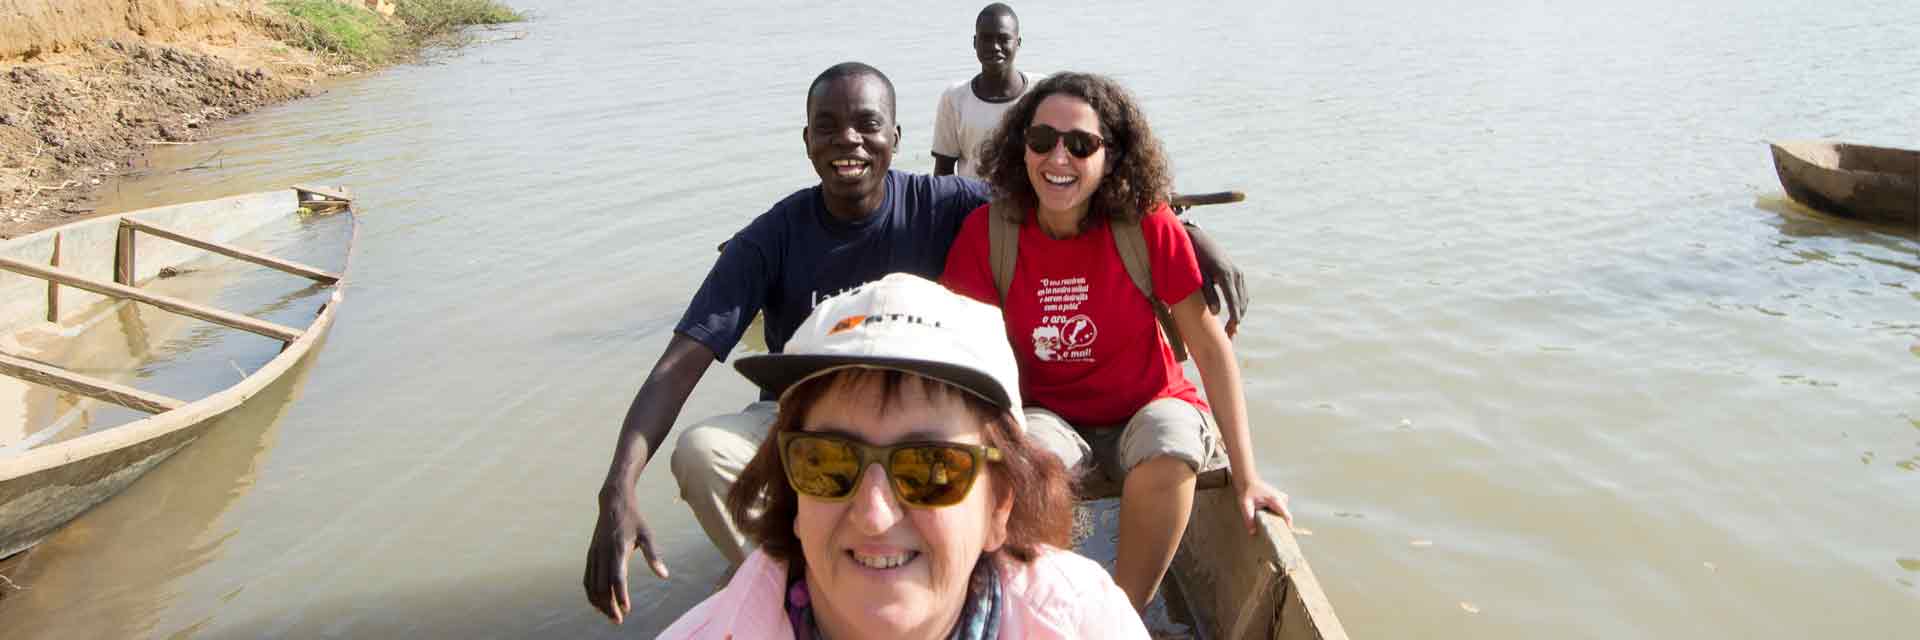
<point x="65" y="276"/>
<point x="1875" y="184"/>
<point x="1237" y="586"/>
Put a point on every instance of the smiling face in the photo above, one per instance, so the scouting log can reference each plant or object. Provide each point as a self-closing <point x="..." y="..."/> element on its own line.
<point x="996" y="40"/>
<point x="851" y="137"/>
<point x="1062" y="183"/>
<point x="876" y="568"/>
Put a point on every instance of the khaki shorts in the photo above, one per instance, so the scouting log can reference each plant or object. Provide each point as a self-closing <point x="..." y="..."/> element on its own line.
<point x="1165" y="427"/>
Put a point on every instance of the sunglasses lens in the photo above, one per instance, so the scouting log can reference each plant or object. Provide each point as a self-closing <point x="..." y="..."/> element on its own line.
<point x="822" y="468"/>
<point x="1079" y="143"/>
<point x="931" y="476"/>
<point x="1041" y="138"/>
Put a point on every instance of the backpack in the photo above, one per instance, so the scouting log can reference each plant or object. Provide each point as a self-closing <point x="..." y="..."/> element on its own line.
<point x="1003" y="250"/>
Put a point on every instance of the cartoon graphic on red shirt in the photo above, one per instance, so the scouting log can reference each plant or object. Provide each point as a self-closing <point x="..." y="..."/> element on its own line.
<point x="1069" y="341"/>
<point x="1059" y="337"/>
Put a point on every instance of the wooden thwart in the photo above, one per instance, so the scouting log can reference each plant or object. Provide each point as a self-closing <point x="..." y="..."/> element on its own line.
<point x="176" y="305"/>
<point x="261" y="259"/>
<point x="95" y="388"/>
<point x="1097" y="487"/>
<point x="123" y="255"/>
<point x="53" y="290"/>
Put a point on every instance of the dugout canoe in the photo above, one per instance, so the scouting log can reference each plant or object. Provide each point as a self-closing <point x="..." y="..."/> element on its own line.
<point x="1237" y="586"/>
<point x="58" y="282"/>
<point x="1873" y="184"/>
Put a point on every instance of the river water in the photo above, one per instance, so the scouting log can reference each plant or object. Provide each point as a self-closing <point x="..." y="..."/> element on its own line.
<point x="1537" y="345"/>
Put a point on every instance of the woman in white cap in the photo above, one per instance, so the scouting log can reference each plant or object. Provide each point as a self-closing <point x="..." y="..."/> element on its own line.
<point x="897" y="496"/>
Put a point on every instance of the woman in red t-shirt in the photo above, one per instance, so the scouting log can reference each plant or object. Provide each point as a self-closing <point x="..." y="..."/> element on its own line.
<point x="1100" y="381"/>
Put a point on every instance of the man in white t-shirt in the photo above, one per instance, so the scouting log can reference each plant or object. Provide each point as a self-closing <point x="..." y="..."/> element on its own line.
<point x="970" y="109"/>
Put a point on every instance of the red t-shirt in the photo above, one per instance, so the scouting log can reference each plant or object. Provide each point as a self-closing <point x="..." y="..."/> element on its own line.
<point x="1088" y="344"/>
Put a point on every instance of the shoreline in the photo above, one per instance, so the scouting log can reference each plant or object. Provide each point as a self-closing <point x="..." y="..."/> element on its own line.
<point x="86" y="92"/>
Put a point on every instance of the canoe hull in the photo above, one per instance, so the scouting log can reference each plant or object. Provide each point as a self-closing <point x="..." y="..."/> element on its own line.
<point x="45" y="487"/>
<point x="1874" y="184"/>
<point x="35" y="505"/>
<point x="1249" y="587"/>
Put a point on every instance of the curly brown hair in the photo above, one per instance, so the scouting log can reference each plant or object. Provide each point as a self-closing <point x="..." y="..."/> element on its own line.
<point x="1140" y="176"/>
<point x="764" y="505"/>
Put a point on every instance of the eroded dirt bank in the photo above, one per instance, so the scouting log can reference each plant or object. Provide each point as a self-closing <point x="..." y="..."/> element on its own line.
<point x="84" y="90"/>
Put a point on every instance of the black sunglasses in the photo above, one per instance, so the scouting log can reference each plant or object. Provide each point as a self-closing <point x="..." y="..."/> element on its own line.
<point x="1042" y="138"/>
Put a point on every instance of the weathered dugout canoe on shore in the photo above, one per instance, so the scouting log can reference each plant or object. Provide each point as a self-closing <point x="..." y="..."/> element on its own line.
<point x="1238" y="586"/>
<point x="56" y="281"/>
<point x="1874" y="184"/>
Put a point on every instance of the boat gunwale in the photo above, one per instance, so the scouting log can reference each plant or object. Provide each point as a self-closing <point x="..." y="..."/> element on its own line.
<point x="1793" y="148"/>
<point x="1299" y="609"/>
<point x="1855" y="195"/>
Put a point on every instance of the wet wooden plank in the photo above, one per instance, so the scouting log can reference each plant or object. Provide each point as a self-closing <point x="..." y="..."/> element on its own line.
<point x="88" y="386"/>
<point x="53" y="290"/>
<point x="123" y="272"/>
<point x="230" y="251"/>
<point x="176" y="305"/>
<point x="329" y="193"/>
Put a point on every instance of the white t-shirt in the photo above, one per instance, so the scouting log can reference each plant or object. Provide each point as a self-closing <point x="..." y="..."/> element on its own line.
<point x="964" y="121"/>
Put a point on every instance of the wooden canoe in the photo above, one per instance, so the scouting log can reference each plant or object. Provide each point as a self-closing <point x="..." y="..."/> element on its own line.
<point x="1874" y="184"/>
<point x="1237" y="586"/>
<point x="55" y="282"/>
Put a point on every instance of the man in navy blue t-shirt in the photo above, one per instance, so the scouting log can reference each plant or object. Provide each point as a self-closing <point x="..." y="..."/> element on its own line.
<point x="801" y="251"/>
<point x="861" y="222"/>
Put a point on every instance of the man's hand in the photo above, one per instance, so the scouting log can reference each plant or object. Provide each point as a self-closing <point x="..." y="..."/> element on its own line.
<point x="1216" y="270"/>
<point x="619" y="531"/>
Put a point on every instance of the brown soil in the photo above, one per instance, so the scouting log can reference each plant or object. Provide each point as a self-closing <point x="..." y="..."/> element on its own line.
<point x="84" y="91"/>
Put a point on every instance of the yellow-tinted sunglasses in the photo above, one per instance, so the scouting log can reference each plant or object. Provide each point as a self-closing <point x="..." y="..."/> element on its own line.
<point x="923" y="474"/>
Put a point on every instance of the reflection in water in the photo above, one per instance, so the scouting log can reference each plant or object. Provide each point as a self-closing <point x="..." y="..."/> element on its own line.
<point x="1908" y="266"/>
<point x="1800" y="221"/>
<point x="134" y="329"/>
<point x="125" y="553"/>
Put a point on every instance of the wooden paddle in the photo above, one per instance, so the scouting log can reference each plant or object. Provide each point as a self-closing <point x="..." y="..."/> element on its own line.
<point x="1180" y="203"/>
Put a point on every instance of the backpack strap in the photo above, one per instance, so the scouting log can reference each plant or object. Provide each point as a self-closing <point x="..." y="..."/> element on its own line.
<point x="1003" y="243"/>
<point x="1132" y="244"/>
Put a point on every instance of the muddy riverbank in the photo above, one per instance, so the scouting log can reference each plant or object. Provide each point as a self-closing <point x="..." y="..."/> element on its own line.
<point x="86" y="91"/>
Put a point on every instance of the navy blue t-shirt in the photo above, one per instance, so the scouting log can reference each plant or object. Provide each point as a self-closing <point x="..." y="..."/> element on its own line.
<point x="797" y="253"/>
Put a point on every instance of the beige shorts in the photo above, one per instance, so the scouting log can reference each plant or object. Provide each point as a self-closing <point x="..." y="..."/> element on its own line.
<point x="1165" y="427"/>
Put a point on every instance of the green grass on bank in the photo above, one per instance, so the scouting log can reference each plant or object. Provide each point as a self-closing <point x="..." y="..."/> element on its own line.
<point x="434" y="18"/>
<point x="334" y="27"/>
<point x="347" y="29"/>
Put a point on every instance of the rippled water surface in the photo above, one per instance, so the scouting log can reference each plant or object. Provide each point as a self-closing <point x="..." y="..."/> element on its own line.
<point x="1526" y="290"/>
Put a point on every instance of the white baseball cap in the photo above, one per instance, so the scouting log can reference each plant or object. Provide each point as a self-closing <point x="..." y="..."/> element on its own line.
<point x="901" y="322"/>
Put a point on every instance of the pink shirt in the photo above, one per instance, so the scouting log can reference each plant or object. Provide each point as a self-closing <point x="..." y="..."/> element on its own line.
<point x="1058" y="595"/>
